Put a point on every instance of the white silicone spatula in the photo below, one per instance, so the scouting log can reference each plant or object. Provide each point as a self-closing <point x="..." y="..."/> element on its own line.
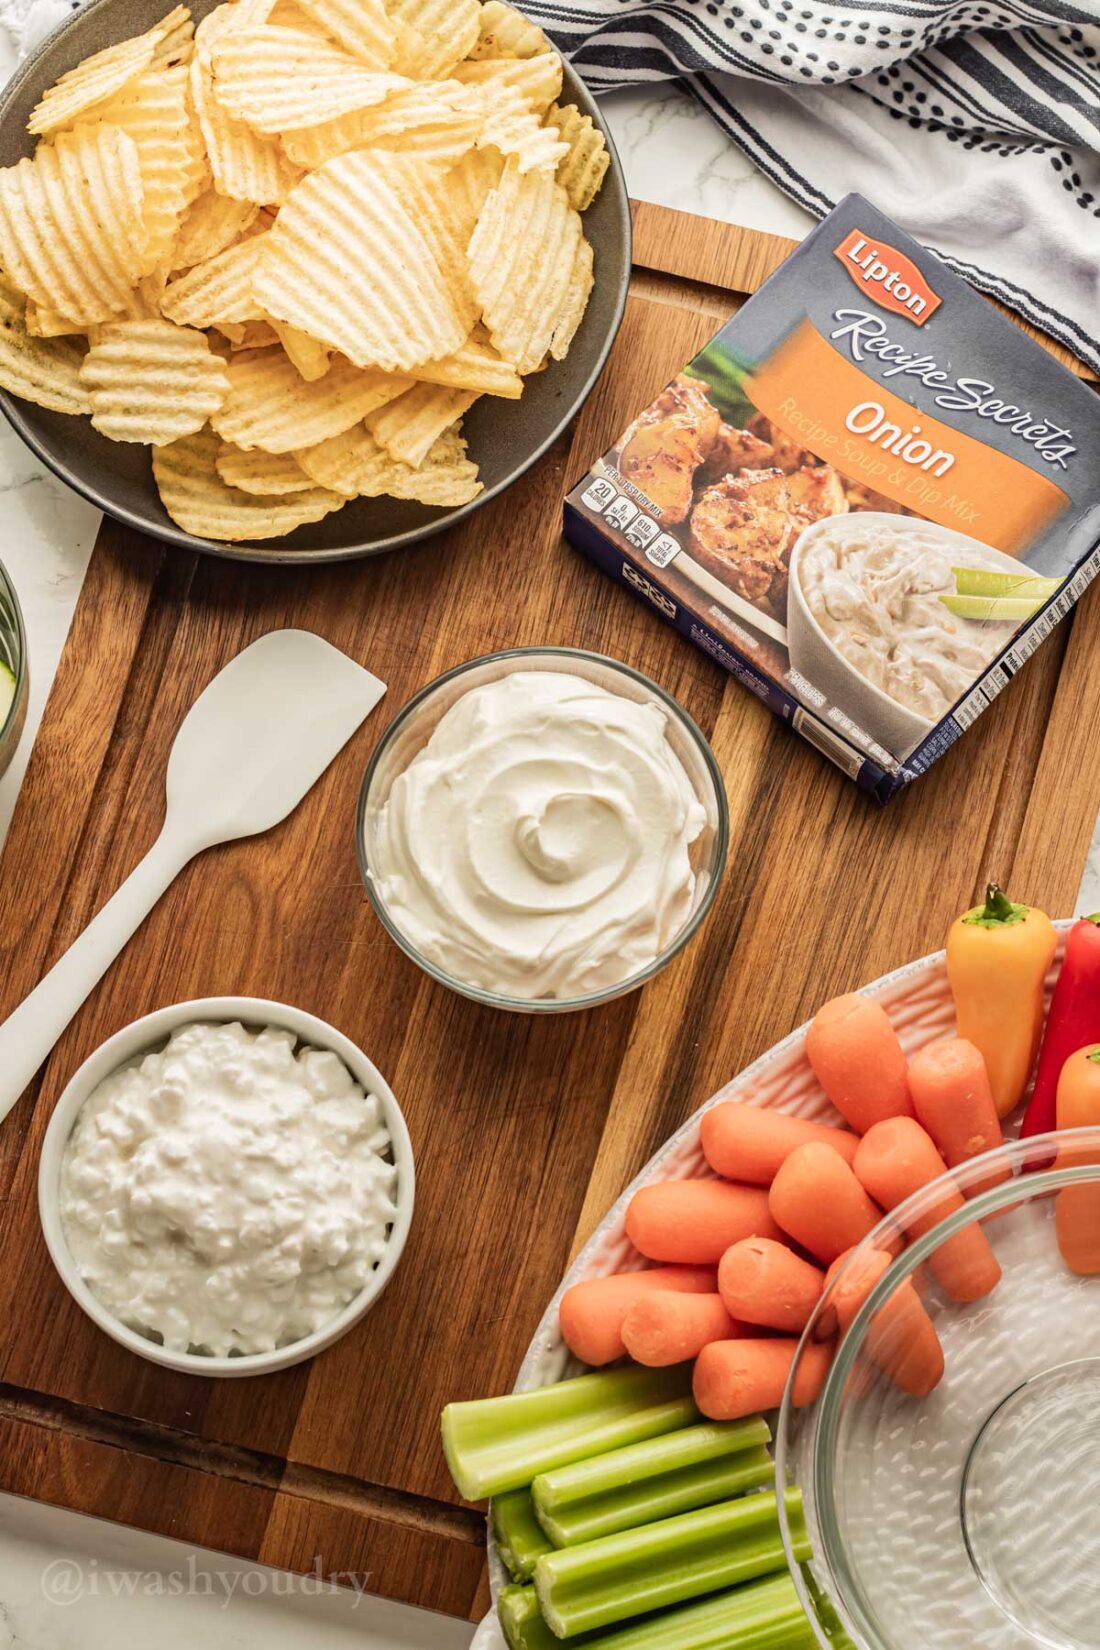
<point x="253" y="743"/>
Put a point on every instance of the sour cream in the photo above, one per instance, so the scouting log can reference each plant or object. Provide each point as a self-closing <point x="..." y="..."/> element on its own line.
<point x="231" y="1193"/>
<point x="874" y="589"/>
<point x="540" y="844"/>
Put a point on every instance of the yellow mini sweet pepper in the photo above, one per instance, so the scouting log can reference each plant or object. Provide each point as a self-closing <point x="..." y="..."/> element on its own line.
<point x="998" y="955"/>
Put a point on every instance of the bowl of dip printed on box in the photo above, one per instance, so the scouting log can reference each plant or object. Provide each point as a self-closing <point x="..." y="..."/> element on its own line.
<point x="542" y="830"/>
<point x="226" y="1186"/>
<point x="14" y="686"/>
<point x="875" y="621"/>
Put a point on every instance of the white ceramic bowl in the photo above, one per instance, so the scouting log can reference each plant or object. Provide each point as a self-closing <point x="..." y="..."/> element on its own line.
<point x="144" y="1037"/>
<point x="815" y="657"/>
<point x="918" y="1000"/>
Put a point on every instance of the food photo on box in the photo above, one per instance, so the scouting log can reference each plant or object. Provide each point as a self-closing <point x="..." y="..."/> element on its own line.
<point x="503" y="1146"/>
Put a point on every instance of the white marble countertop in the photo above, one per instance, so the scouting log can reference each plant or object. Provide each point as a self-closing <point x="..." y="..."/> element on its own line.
<point x="73" y="1583"/>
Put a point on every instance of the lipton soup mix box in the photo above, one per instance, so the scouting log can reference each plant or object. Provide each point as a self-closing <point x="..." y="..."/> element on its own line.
<point x="871" y="497"/>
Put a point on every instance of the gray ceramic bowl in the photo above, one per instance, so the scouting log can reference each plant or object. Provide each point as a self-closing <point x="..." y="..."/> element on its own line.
<point x="505" y="437"/>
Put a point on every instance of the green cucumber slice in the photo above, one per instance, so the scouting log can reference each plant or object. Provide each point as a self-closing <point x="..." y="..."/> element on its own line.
<point x="7" y="692"/>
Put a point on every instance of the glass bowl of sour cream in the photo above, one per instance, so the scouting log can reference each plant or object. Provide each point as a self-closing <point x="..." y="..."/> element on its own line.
<point x="226" y="1186"/>
<point x="542" y="830"/>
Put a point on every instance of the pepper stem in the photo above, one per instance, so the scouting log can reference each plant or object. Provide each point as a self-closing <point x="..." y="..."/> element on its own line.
<point x="1094" y="916"/>
<point x="998" y="906"/>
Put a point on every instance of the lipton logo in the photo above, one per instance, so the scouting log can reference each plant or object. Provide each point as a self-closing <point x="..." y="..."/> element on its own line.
<point x="888" y="277"/>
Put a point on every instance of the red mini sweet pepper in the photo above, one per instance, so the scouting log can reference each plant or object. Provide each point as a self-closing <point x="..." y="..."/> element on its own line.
<point x="1073" y="1021"/>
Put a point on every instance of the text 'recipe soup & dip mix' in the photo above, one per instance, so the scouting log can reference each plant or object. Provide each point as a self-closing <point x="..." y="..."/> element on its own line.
<point x="870" y="498"/>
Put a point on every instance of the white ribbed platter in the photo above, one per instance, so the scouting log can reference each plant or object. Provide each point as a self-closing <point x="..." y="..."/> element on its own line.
<point x="918" y="1001"/>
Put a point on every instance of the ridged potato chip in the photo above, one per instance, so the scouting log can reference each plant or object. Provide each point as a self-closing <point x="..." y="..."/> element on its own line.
<point x="244" y="164"/>
<point x="176" y="43"/>
<point x="445" y="217"/>
<point x="536" y="79"/>
<point x="470" y="182"/>
<point x="198" y="500"/>
<point x="505" y="32"/>
<point x="220" y="289"/>
<point x="254" y="335"/>
<point x="356" y="466"/>
<point x="583" y="169"/>
<point x="48" y="323"/>
<point x="73" y="234"/>
<point x="43" y="370"/>
<point x="574" y="303"/>
<point x="151" y="381"/>
<point x="509" y="124"/>
<point x="446" y="477"/>
<point x="270" y="405"/>
<point x="279" y="80"/>
<point x="378" y="295"/>
<point x="154" y="111"/>
<point x="101" y="76"/>
<point x="476" y="366"/>
<point x="212" y="223"/>
<point x="421" y="120"/>
<point x="311" y="359"/>
<point x="361" y="27"/>
<point x="523" y="257"/>
<point x="438" y="34"/>
<point x="408" y="427"/>
<point x="265" y="474"/>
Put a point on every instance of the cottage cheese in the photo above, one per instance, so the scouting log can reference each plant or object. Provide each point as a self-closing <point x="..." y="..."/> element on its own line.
<point x="230" y="1194"/>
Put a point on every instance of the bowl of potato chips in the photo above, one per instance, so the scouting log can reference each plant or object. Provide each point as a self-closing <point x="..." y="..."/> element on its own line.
<point x="299" y="280"/>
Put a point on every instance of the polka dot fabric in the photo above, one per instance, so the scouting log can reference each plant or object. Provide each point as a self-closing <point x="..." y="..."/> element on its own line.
<point x="975" y="124"/>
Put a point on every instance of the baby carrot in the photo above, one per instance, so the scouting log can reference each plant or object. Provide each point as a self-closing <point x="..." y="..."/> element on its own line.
<point x="1077" y="1209"/>
<point x="591" y="1314"/>
<point x="693" y="1222"/>
<point x="954" y="1102"/>
<point x="901" y="1337"/>
<point x="858" y="1061"/>
<point x="666" y="1328"/>
<point x="745" y="1142"/>
<point x="818" y="1201"/>
<point x="997" y="960"/>
<point x="763" y="1282"/>
<point x="738" y="1378"/>
<point x="897" y="1158"/>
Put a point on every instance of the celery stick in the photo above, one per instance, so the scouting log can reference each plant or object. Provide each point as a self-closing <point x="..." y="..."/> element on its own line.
<point x="978" y="581"/>
<point x="680" y="1558"/>
<point x="520" y="1537"/>
<point x="522" y="1621"/>
<point x="763" y="1615"/>
<point x="655" y="1479"/>
<point x="497" y="1444"/>
<point x="993" y="609"/>
<point x="825" y="1612"/>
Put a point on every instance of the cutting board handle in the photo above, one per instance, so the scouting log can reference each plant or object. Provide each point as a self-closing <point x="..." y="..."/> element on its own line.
<point x="28" y="1035"/>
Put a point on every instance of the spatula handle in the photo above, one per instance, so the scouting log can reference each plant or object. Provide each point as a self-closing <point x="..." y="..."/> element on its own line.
<point x="28" y="1035"/>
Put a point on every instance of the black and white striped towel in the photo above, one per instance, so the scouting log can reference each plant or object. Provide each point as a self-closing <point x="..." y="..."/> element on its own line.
<point x="975" y="125"/>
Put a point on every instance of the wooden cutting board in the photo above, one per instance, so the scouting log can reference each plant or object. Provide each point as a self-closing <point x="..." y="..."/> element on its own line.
<point x="524" y="1129"/>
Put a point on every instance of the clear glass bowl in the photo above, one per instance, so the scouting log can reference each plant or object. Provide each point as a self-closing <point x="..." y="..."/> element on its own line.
<point x="413" y="727"/>
<point x="13" y="657"/>
<point x="969" y="1519"/>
